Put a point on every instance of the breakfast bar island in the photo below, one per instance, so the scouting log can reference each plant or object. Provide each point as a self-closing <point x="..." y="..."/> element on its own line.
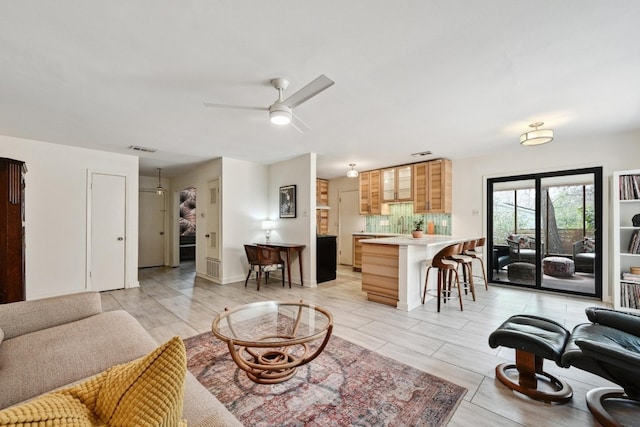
<point x="393" y="268"/>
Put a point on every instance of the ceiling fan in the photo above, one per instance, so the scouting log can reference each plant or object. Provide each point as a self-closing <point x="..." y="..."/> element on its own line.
<point x="281" y="111"/>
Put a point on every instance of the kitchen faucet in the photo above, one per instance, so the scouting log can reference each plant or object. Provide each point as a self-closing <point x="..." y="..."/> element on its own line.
<point x="401" y="225"/>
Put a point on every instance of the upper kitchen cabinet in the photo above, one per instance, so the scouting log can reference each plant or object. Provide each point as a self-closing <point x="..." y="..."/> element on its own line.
<point x="432" y="187"/>
<point x="397" y="184"/>
<point x="322" y="206"/>
<point x="370" y="203"/>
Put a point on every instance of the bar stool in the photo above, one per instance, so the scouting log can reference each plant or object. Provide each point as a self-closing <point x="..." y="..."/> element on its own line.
<point x="465" y="261"/>
<point x="446" y="267"/>
<point x="476" y="253"/>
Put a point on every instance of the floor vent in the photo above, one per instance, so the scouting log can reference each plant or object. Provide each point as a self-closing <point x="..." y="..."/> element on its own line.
<point x="213" y="268"/>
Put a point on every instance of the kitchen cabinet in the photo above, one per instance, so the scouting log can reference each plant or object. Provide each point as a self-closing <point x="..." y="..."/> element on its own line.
<point x="432" y="187"/>
<point x="370" y="203"/>
<point x="397" y="184"/>
<point x="357" y="247"/>
<point x="322" y="201"/>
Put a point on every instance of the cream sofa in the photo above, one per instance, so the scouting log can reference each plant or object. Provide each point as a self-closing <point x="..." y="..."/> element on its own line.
<point x="50" y="343"/>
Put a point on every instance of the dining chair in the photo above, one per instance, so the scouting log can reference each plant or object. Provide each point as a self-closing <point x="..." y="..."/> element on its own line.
<point x="263" y="259"/>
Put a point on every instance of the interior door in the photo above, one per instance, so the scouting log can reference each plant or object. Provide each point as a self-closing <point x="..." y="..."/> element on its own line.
<point x="151" y="229"/>
<point x="213" y="220"/>
<point x="107" y="226"/>
<point x="349" y="221"/>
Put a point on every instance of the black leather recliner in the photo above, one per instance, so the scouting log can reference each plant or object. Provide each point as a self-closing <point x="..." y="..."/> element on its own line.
<point x="610" y="348"/>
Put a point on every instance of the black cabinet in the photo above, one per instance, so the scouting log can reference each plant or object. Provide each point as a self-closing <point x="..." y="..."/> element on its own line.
<point x="326" y="256"/>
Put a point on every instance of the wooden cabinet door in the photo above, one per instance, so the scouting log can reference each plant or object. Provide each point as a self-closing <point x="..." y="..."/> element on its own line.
<point x="397" y="184"/>
<point x="440" y="186"/>
<point x="322" y="199"/>
<point x="432" y="187"/>
<point x="370" y="203"/>
<point x="388" y="185"/>
<point x="404" y="184"/>
<point x="421" y="187"/>
<point x="365" y="192"/>
<point x="375" y="202"/>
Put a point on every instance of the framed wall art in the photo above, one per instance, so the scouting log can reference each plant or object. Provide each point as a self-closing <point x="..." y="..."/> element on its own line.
<point x="288" y="201"/>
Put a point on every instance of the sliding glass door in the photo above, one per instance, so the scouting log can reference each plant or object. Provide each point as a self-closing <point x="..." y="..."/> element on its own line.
<point x="545" y="231"/>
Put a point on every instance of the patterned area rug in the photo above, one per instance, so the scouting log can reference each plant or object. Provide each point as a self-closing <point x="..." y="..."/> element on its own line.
<point x="346" y="385"/>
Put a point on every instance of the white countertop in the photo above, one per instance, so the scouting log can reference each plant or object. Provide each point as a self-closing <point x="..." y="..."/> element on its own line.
<point x="369" y="233"/>
<point x="427" y="240"/>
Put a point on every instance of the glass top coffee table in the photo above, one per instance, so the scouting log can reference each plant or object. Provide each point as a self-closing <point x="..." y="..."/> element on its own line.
<point x="270" y="339"/>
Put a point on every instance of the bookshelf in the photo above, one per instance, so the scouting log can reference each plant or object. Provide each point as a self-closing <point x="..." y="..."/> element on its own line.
<point x="626" y="240"/>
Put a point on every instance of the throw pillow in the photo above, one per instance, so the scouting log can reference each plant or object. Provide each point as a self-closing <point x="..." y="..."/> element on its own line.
<point x="148" y="391"/>
<point x="588" y="245"/>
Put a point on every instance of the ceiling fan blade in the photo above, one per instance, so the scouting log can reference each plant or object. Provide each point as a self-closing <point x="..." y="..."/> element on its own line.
<point x="309" y="91"/>
<point x="236" y="107"/>
<point x="299" y="124"/>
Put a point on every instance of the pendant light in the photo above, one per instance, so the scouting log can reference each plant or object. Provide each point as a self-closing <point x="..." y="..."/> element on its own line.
<point x="159" y="189"/>
<point x="352" y="173"/>
<point x="536" y="136"/>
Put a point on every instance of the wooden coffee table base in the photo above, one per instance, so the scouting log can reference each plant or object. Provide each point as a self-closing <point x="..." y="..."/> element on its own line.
<point x="273" y="358"/>
<point x="272" y="365"/>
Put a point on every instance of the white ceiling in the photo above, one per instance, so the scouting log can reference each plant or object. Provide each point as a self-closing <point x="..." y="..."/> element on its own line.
<point x="460" y="78"/>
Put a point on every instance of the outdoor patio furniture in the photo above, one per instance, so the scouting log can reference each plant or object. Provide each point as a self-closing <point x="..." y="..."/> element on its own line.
<point x="584" y="255"/>
<point x="522" y="272"/>
<point x="558" y="266"/>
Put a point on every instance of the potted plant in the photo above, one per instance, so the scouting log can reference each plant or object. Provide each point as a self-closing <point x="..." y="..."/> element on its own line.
<point x="417" y="231"/>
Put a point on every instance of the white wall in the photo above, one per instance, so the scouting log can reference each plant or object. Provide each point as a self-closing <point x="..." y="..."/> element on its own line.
<point x="615" y="152"/>
<point x="56" y="212"/>
<point x="245" y="192"/>
<point x="300" y="171"/>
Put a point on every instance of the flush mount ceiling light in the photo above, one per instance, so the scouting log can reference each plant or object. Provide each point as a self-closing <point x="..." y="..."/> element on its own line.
<point x="352" y="173"/>
<point x="536" y="136"/>
<point x="159" y="189"/>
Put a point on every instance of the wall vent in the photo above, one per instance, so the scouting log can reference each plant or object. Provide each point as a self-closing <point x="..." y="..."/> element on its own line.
<point x="213" y="268"/>
<point x="143" y="149"/>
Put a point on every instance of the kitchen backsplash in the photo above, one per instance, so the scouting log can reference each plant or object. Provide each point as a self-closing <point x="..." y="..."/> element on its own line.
<point x="401" y="221"/>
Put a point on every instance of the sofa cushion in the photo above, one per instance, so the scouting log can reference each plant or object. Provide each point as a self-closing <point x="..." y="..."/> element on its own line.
<point x="36" y="363"/>
<point x="23" y="317"/>
<point x="145" y="392"/>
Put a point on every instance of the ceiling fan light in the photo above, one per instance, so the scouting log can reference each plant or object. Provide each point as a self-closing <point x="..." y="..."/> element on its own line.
<point x="537" y="136"/>
<point x="280" y="114"/>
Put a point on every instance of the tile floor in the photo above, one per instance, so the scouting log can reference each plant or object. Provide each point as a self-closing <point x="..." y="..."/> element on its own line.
<point x="451" y="344"/>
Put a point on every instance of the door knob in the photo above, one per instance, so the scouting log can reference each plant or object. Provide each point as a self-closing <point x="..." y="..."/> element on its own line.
<point x="162" y="233"/>
<point x="206" y="235"/>
<point x="120" y="238"/>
